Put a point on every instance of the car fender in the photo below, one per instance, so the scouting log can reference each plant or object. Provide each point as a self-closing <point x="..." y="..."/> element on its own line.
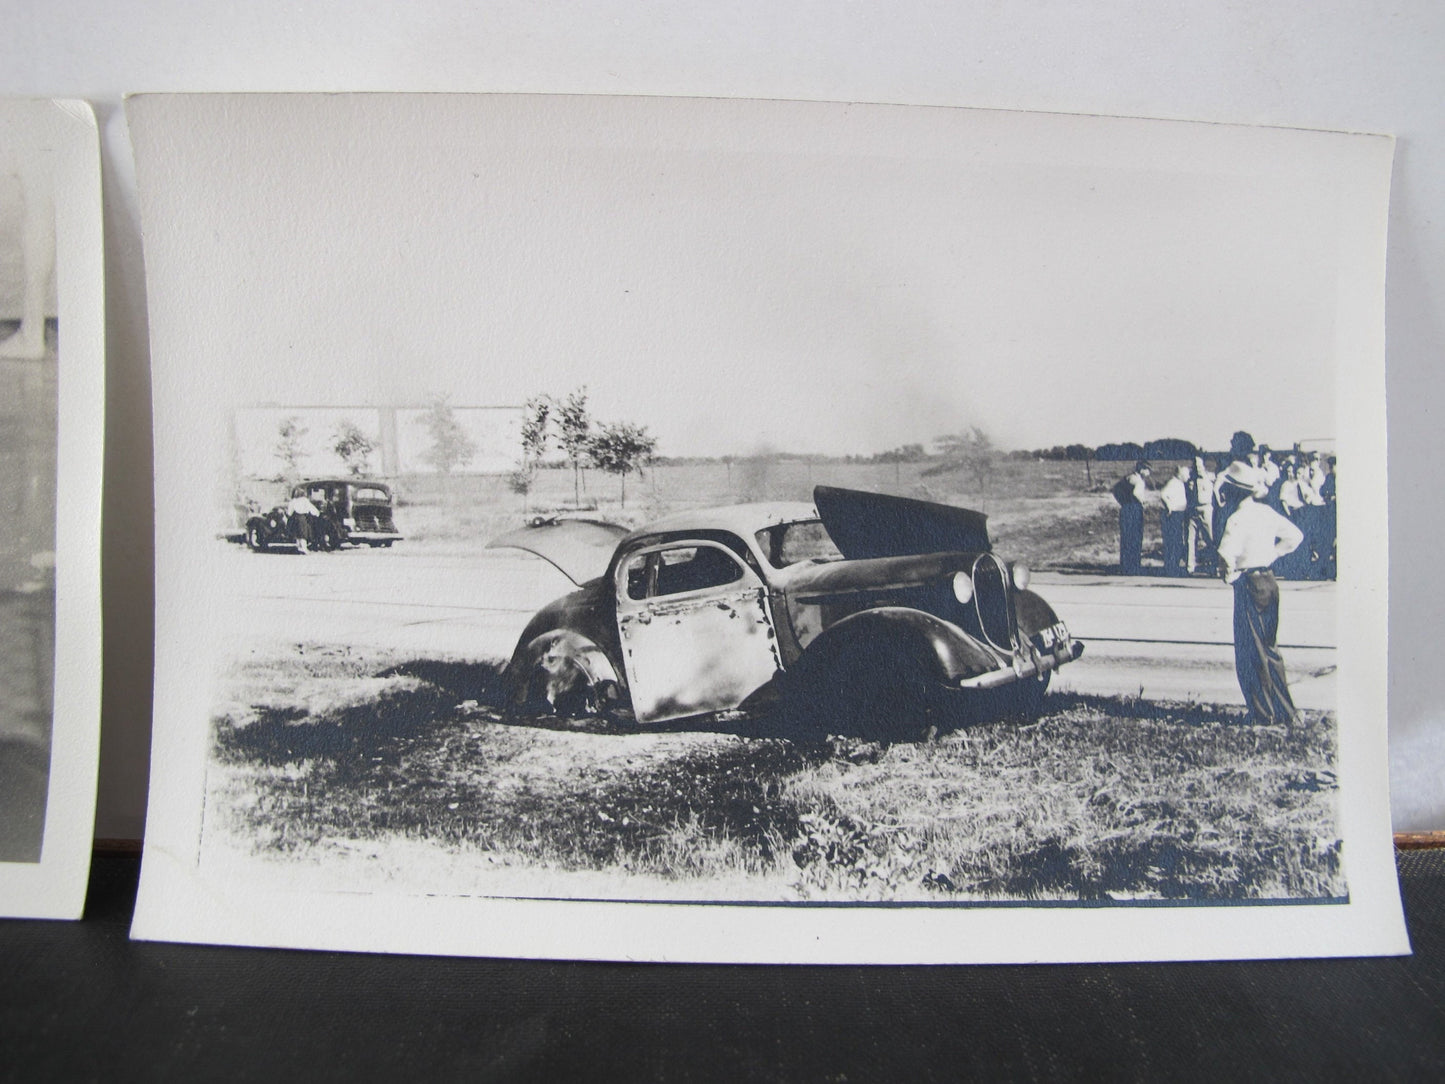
<point x="1033" y="613"/>
<point x="569" y="659"/>
<point x="948" y="651"/>
<point x="267" y="525"/>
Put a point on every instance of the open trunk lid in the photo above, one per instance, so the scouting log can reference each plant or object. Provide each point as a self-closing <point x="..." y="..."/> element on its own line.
<point x="578" y="548"/>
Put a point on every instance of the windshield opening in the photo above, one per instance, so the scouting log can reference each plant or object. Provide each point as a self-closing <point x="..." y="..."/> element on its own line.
<point x="790" y="543"/>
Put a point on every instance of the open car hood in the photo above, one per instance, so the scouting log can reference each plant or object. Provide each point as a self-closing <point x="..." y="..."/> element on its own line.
<point x="579" y="548"/>
<point x="866" y="525"/>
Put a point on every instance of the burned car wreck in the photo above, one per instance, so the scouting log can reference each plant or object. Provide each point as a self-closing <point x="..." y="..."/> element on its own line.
<point x="860" y="613"/>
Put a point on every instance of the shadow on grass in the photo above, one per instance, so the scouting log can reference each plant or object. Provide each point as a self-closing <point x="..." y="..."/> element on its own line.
<point x="289" y="734"/>
<point x="427" y="759"/>
<point x="448" y="689"/>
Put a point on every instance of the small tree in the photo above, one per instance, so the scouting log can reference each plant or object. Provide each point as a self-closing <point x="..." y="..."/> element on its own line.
<point x="450" y="445"/>
<point x="352" y="446"/>
<point x="520" y="483"/>
<point x="289" y="434"/>
<point x="971" y="451"/>
<point x="574" y="433"/>
<point x="620" y="449"/>
<point x="536" y="414"/>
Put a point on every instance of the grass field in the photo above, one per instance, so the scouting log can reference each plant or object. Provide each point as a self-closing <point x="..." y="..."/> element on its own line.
<point x="1102" y="798"/>
<point x="1042" y="511"/>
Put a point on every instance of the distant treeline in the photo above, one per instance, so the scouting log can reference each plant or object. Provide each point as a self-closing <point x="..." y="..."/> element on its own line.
<point x="1168" y="448"/>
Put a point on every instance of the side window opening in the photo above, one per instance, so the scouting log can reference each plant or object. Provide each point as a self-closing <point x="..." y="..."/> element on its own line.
<point x="679" y="570"/>
<point x="695" y="568"/>
<point x="637" y="576"/>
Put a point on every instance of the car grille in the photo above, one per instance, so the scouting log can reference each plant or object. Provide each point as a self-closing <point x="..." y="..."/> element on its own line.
<point x="374" y="519"/>
<point x="991" y="601"/>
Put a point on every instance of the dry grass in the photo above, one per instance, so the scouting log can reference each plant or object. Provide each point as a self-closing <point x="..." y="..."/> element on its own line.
<point x="1103" y="798"/>
<point x="1044" y="512"/>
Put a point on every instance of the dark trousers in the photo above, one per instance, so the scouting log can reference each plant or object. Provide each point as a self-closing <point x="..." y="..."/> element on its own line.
<point x="1131" y="537"/>
<point x="1172" y="526"/>
<point x="1257" y="662"/>
<point x="1199" y="548"/>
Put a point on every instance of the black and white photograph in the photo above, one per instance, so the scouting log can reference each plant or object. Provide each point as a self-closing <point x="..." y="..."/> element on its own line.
<point x="49" y="184"/>
<point x="877" y="533"/>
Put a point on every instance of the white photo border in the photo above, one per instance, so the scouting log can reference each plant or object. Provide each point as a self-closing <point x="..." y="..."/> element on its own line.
<point x="177" y="902"/>
<point x="55" y="887"/>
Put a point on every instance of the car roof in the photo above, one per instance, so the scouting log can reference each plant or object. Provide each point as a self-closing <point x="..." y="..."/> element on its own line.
<point x="744" y="520"/>
<point x="377" y="482"/>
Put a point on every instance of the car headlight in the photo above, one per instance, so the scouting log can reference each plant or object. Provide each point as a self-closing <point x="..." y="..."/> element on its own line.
<point x="1020" y="573"/>
<point x="962" y="586"/>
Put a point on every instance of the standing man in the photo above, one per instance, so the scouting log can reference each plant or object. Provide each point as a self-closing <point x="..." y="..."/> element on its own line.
<point x="1131" y="491"/>
<point x="1174" y="519"/>
<point x="1200" y="491"/>
<point x="1253" y="538"/>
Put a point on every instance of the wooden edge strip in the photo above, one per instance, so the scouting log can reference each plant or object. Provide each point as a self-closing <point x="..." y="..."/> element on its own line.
<point x="1419" y="841"/>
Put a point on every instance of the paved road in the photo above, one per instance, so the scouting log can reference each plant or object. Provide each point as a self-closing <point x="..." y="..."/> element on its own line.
<point x="1148" y="636"/>
<point x="1173" y="640"/>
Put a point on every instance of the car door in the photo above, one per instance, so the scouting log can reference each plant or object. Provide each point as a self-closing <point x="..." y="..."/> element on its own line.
<point x="695" y="629"/>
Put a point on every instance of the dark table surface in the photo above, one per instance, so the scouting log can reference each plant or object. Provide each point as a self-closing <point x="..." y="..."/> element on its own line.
<point x="80" y="1002"/>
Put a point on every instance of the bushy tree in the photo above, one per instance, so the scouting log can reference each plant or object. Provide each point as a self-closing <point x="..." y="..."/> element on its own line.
<point x="289" y="434"/>
<point x="352" y="446"/>
<point x="971" y="452"/>
<point x="520" y="482"/>
<point x="621" y="448"/>
<point x="450" y="445"/>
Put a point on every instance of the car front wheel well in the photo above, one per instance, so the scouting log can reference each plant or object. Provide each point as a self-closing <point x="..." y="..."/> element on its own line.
<point x="563" y="673"/>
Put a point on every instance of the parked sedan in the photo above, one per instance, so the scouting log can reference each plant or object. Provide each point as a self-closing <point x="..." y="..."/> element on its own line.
<point x="860" y="613"/>
<point x="354" y="511"/>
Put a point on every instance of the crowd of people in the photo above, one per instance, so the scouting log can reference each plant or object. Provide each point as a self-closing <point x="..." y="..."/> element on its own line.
<point x="1299" y="485"/>
<point x="1265" y="512"/>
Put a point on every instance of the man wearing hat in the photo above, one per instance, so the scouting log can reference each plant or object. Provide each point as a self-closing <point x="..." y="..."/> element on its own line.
<point x="1254" y="536"/>
<point x="1131" y="491"/>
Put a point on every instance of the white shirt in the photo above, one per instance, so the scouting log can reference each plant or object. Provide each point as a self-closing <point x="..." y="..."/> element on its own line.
<point x="1255" y="537"/>
<point x="303" y="507"/>
<point x="1204" y="489"/>
<point x="1173" y="495"/>
<point x="1290" y="494"/>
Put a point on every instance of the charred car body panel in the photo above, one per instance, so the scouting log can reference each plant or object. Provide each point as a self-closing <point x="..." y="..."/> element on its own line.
<point x="725" y="609"/>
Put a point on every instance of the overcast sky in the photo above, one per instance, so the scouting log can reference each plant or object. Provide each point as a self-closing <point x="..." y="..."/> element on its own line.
<point x="742" y="275"/>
